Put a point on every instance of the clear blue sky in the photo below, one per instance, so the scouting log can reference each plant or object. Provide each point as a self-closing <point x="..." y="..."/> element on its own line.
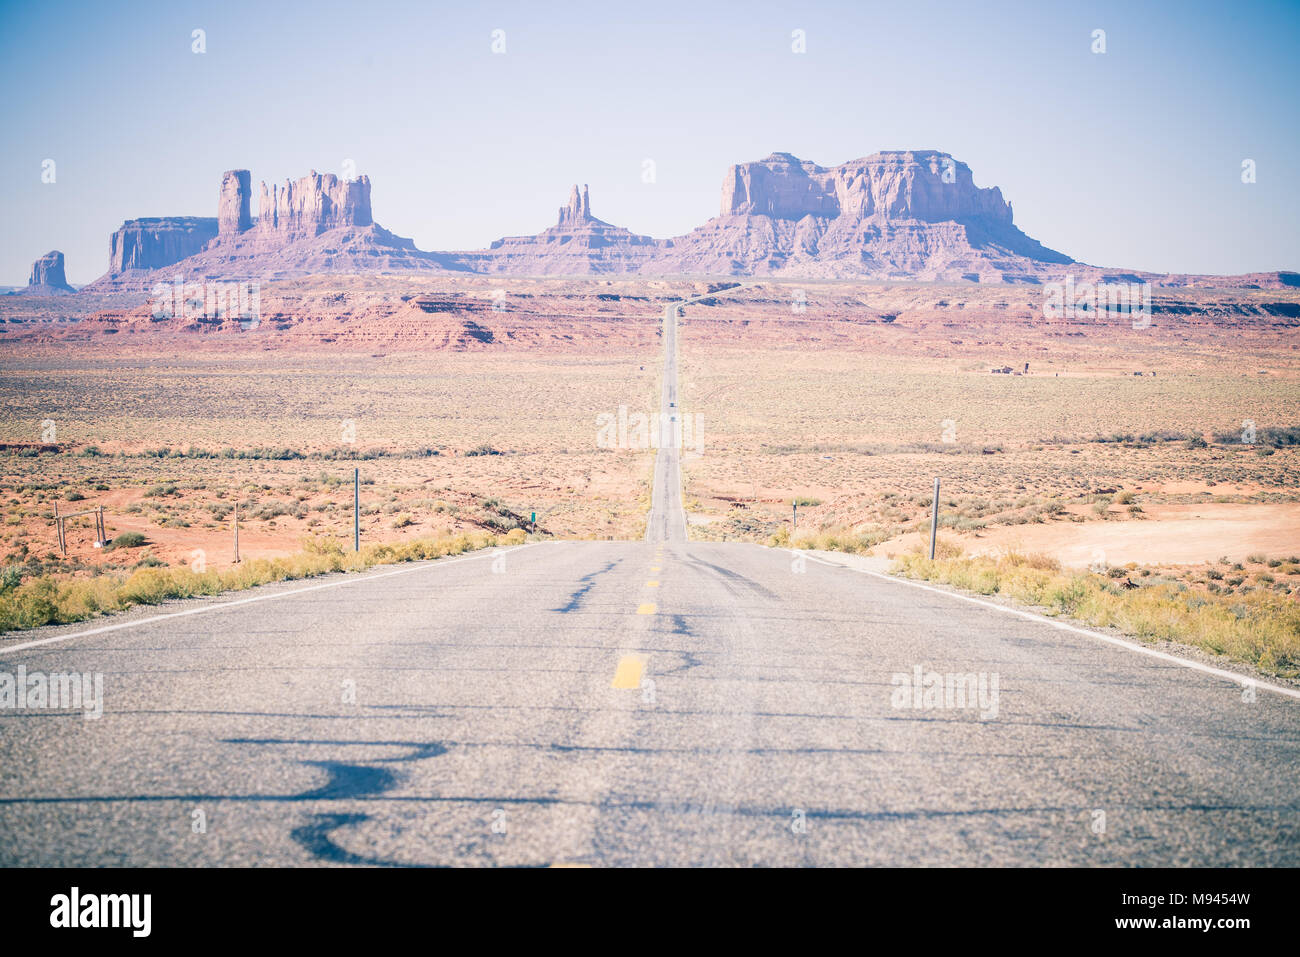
<point x="1131" y="158"/>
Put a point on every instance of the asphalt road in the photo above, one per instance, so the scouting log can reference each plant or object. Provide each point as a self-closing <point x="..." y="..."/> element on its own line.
<point x="644" y="703"/>
<point x="667" y="519"/>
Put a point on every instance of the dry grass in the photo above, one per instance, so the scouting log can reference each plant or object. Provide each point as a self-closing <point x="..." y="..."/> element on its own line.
<point x="840" y="539"/>
<point x="1260" y="629"/>
<point x="169" y="444"/>
<point x="860" y="427"/>
<point x="48" y="600"/>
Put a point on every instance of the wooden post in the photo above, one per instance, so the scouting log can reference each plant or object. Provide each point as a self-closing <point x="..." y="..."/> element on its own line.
<point x="236" y="533"/>
<point x="356" y="509"/>
<point x="934" y="519"/>
<point x="58" y="527"/>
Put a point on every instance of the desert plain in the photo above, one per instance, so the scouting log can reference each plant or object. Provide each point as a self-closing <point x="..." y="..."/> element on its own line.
<point x="824" y="411"/>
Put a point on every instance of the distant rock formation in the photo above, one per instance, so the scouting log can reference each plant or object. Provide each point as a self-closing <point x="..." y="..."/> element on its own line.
<point x="318" y="223"/>
<point x="896" y="215"/>
<point x="578" y="212"/>
<point x="578" y="244"/>
<point x="234" y="205"/>
<point x="923" y="185"/>
<point x="47" y="277"/>
<point x="314" y="204"/>
<point x="914" y="214"/>
<point x="158" y="242"/>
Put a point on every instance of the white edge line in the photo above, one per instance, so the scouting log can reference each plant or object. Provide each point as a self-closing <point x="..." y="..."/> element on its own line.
<point x="351" y="579"/>
<point x="1232" y="676"/>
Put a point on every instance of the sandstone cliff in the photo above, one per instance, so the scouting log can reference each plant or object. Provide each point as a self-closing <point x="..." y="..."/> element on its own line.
<point x="314" y="204"/>
<point x="318" y="223"/>
<point x="47" y="277"/>
<point x="913" y="214"/>
<point x="155" y="243"/>
<point x="896" y="215"/>
<point x="234" y="204"/>
<point x="923" y="185"/>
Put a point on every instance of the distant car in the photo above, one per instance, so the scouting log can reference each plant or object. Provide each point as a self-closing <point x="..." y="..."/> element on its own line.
<point x="672" y="405"/>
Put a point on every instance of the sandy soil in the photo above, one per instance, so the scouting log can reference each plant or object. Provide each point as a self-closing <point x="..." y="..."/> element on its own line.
<point x="1170" y="534"/>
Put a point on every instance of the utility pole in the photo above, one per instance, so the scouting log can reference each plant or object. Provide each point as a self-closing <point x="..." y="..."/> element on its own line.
<point x="356" y="509"/>
<point x="934" y="518"/>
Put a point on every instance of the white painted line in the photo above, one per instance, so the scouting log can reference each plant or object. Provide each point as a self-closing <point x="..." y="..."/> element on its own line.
<point x="821" y="561"/>
<point x="351" y="579"/>
<point x="1232" y="676"/>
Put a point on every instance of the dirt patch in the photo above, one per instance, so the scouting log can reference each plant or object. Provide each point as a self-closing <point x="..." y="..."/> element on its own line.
<point x="1171" y="534"/>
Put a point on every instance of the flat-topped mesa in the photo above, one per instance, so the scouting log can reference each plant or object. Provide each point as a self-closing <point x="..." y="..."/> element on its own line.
<point x="314" y="204"/>
<point x="234" y="205"/>
<point x="578" y="211"/>
<point x="922" y="185"/>
<point x="900" y="214"/>
<point x="156" y="242"/>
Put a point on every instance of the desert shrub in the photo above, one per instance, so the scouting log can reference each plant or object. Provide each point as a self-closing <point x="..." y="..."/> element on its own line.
<point x="128" y="540"/>
<point x="149" y="586"/>
<point x="1261" y="628"/>
<point x="833" y="539"/>
<point x="10" y="578"/>
<point x="47" y="600"/>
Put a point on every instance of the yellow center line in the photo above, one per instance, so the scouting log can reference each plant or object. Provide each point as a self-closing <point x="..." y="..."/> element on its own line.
<point x="628" y="672"/>
<point x="656" y="568"/>
<point x="652" y="584"/>
<point x="649" y="608"/>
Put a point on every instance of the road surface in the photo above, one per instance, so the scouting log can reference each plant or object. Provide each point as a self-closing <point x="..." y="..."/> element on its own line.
<point x="643" y="703"/>
<point x="667" y="519"/>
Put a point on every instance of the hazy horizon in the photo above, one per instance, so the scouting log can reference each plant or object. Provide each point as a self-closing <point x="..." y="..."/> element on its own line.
<point x="1131" y="158"/>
